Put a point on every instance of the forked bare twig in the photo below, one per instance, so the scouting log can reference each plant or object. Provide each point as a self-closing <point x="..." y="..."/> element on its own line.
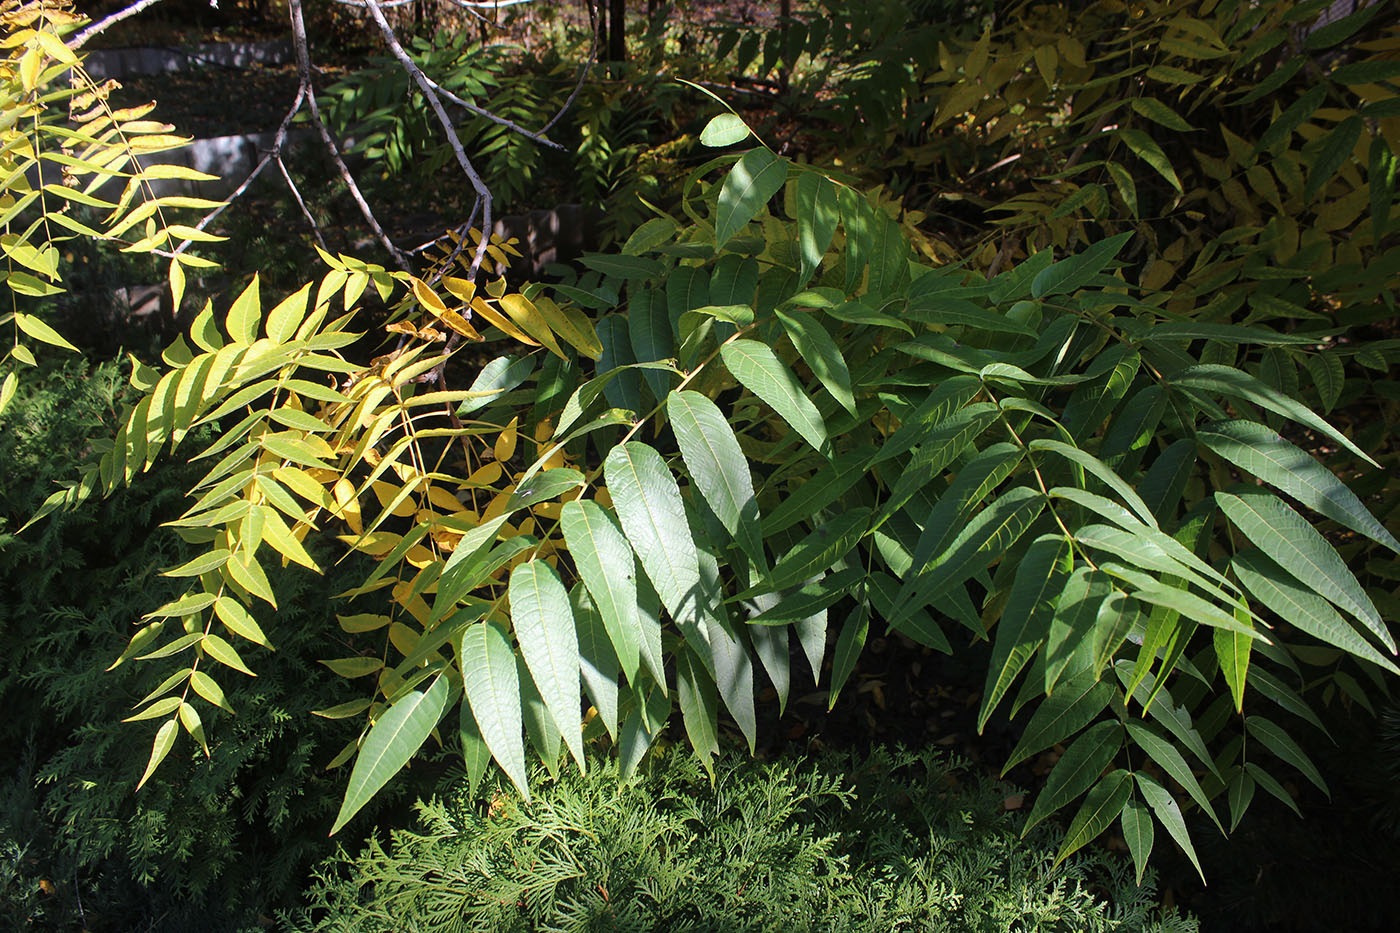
<point x="430" y="94"/>
<point x="332" y="147"/>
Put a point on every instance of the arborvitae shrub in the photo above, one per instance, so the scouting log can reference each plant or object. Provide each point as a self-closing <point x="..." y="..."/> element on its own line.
<point x="210" y="843"/>
<point x="894" y="842"/>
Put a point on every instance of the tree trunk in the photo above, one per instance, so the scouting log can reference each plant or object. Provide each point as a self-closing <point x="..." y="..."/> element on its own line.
<point x="617" y="30"/>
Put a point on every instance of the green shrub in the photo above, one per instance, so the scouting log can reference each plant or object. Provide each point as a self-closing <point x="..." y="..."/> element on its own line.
<point x="227" y="835"/>
<point x="895" y="842"/>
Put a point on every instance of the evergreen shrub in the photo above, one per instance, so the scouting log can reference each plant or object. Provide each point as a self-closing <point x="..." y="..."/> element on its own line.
<point x="213" y="842"/>
<point x="897" y="841"/>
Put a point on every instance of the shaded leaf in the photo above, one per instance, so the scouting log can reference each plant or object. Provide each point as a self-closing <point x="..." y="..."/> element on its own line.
<point x="1297" y="547"/>
<point x="1025" y="619"/>
<point x="1077" y="770"/>
<point x="752" y="181"/>
<point x="1105" y="801"/>
<point x="1137" y="833"/>
<point x="1169" y="814"/>
<point x="1264" y="453"/>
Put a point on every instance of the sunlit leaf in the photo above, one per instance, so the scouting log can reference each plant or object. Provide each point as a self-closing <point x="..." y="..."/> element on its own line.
<point x="393" y="739"/>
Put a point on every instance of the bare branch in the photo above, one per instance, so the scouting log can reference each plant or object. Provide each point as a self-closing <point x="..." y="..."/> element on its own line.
<point x="464" y="4"/>
<point x="278" y="142"/>
<point x="483" y="112"/>
<point x="103" y="25"/>
<point x="304" y="73"/>
<point x="292" y="186"/>
<point x="430" y="94"/>
<point x="583" y="72"/>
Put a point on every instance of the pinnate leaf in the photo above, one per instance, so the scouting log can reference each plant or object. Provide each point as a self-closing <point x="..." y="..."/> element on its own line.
<point x="1103" y="804"/>
<point x="393" y="739"/>
<point x="544" y="627"/>
<point x="1077" y="770"/>
<point x="747" y="188"/>
<point x="492" y="687"/>
<point x="759" y="370"/>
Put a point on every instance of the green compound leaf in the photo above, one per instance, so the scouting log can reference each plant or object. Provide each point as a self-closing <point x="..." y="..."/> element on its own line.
<point x="649" y="504"/>
<point x="724" y="130"/>
<point x="1281" y="593"/>
<point x="1025" y="621"/>
<point x="1076" y="271"/>
<point x="1146" y="148"/>
<point x="753" y="180"/>
<point x="1077" y="770"/>
<point x="393" y="739"/>
<point x="544" y="628"/>
<point x="1291" y="542"/>
<point x="819" y="351"/>
<point x="1103" y="804"/>
<point x="493" y="691"/>
<point x="604" y="561"/>
<point x="1276" y="740"/>
<point x="1226" y="380"/>
<point x="1263" y="452"/>
<point x="759" y="370"/>
<point x="1076" y="703"/>
<point x="1136" y="822"/>
<point x="1169" y="814"/>
<point x="718" y="466"/>
<point x="818" y="213"/>
<point x="164" y="741"/>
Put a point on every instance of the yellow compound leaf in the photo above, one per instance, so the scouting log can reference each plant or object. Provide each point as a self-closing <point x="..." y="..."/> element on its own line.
<point x="354" y="667"/>
<point x="403" y="638"/>
<point x="348" y="506"/>
<point x="460" y="324"/>
<point x="165" y="739"/>
<point x="375" y="544"/>
<point x="427" y="297"/>
<point x="461" y="289"/>
<point x="386" y="493"/>
<point x="486" y="475"/>
<point x="496" y="319"/>
<point x="525" y="314"/>
<point x="572" y="325"/>
<point x="499" y="504"/>
<point x="549" y="511"/>
<point x="30" y="65"/>
<point x="505" y="444"/>
<point x="440" y="497"/>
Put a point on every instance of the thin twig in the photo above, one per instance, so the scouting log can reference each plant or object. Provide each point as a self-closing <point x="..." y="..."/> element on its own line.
<point x="466" y="5"/>
<point x="583" y="72"/>
<point x="292" y="186"/>
<point x="483" y="112"/>
<point x="304" y="73"/>
<point x="103" y="25"/>
<point x="278" y="142"/>
<point x="462" y="231"/>
<point x="426" y="86"/>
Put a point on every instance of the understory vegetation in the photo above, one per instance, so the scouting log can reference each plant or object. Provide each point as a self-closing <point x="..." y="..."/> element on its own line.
<point x="1013" y="375"/>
